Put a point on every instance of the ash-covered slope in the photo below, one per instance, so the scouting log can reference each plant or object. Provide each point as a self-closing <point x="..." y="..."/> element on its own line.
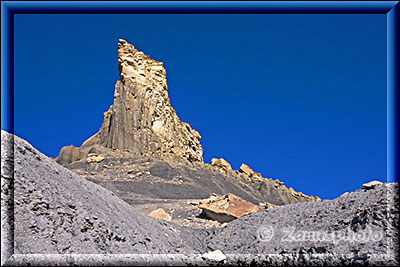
<point x="357" y="228"/>
<point x="140" y="180"/>
<point x="56" y="211"/>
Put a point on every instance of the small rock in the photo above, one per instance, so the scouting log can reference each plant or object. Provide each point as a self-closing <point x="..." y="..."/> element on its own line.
<point x="160" y="214"/>
<point x="266" y="205"/>
<point x="132" y="171"/>
<point x="94" y="158"/>
<point x="371" y="184"/>
<point x="215" y="255"/>
<point x="221" y="163"/>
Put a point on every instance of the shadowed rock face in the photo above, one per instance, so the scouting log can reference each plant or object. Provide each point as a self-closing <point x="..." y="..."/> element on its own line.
<point x="141" y="119"/>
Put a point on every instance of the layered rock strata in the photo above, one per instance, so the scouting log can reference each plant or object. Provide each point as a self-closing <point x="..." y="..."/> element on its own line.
<point x="141" y="119"/>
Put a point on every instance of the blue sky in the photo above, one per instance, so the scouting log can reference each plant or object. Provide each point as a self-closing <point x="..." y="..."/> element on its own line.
<point x="299" y="98"/>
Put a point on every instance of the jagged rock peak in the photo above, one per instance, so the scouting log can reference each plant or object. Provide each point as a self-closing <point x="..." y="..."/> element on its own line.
<point x="137" y="68"/>
<point x="141" y="119"/>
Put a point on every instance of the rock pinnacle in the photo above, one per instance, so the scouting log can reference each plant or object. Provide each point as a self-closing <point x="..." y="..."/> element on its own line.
<point x="141" y="119"/>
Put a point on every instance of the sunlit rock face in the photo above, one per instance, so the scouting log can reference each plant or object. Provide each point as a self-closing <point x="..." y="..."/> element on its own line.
<point x="141" y="119"/>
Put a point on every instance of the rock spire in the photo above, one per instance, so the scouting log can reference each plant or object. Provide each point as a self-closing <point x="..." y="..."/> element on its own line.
<point x="141" y="119"/>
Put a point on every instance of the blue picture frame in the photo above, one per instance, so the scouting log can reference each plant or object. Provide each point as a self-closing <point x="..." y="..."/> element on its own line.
<point x="10" y="8"/>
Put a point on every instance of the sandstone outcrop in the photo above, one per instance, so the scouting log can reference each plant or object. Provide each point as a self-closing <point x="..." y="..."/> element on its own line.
<point x="371" y="184"/>
<point x="226" y="208"/>
<point x="221" y="164"/>
<point x="141" y="119"/>
<point x="69" y="154"/>
<point x="252" y="175"/>
<point x="245" y="169"/>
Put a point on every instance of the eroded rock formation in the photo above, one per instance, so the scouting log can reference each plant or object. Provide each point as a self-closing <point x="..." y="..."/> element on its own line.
<point x="141" y="119"/>
<point x="141" y="124"/>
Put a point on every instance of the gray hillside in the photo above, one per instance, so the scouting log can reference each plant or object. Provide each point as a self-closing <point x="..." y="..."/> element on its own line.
<point x="56" y="211"/>
<point x="59" y="212"/>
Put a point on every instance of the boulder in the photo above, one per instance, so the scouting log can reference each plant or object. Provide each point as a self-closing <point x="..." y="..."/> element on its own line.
<point x="69" y="154"/>
<point x="253" y="176"/>
<point x="246" y="170"/>
<point x="94" y="158"/>
<point x="221" y="163"/>
<point x="226" y="208"/>
<point x="160" y="214"/>
<point x="371" y="184"/>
